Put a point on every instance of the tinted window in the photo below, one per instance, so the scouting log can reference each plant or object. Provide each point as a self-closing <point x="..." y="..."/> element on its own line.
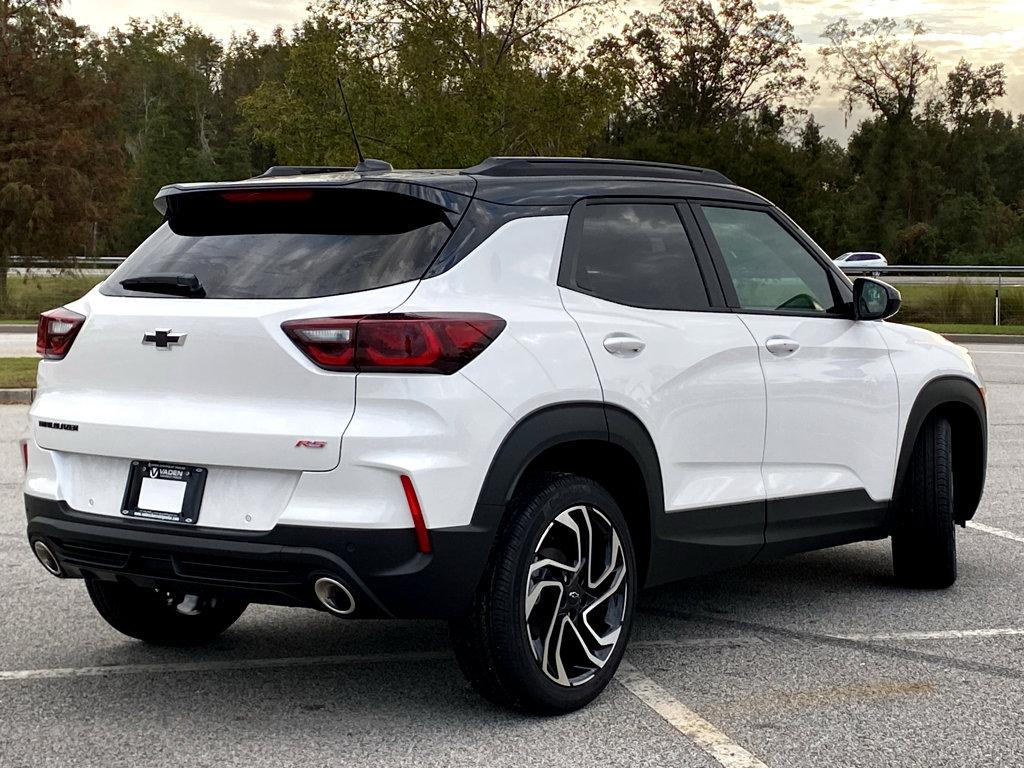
<point x="768" y="267"/>
<point x="290" y="245"/>
<point x="638" y="254"/>
<point x="862" y="257"/>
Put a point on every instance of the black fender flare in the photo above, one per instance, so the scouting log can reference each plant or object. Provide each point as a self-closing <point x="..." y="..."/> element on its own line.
<point x="563" y="423"/>
<point x="964" y="402"/>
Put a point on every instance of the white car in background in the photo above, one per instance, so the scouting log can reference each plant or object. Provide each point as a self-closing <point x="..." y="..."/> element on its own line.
<point x="861" y="260"/>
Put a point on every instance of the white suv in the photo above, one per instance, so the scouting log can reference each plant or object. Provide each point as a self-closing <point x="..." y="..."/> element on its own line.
<point x="510" y="396"/>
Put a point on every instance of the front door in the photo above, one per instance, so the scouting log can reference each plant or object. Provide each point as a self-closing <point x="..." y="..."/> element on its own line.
<point x="832" y="427"/>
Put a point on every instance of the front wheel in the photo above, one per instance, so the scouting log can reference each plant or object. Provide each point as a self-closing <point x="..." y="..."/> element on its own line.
<point x="550" y="622"/>
<point x="924" y="538"/>
<point x="162" y="617"/>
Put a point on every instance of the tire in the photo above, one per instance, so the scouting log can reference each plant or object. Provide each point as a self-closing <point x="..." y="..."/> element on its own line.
<point x="924" y="537"/>
<point x="509" y="650"/>
<point x="162" y="618"/>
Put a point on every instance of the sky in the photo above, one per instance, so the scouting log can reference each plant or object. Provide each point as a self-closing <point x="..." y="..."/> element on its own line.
<point x="982" y="31"/>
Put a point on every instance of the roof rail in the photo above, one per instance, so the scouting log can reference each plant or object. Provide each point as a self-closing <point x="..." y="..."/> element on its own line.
<point x="300" y="170"/>
<point x="542" y="166"/>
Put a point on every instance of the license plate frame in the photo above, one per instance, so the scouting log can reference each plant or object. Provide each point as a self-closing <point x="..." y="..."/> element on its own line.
<point x="193" y="479"/>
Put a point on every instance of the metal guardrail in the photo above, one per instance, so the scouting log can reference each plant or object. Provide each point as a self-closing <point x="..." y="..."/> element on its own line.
<point x="69" y="263"/>
<point x="999" y="272"/>
<point x="935" y="269"/>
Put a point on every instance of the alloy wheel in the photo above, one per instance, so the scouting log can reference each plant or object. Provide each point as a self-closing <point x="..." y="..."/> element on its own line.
<point x="576" y="595"/>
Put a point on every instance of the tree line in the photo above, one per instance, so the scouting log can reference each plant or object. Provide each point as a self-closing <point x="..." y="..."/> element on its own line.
<point x="91" y="125"/>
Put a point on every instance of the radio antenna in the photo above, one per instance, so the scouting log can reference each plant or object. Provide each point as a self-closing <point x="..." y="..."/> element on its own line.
<point x="348" y="117"/>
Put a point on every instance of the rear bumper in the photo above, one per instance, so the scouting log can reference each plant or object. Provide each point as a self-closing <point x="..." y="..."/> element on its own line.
<point x="382" y="567"/>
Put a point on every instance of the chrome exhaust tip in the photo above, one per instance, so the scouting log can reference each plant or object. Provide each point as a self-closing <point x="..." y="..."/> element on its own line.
<point x="334" y="596"/>
<point x="47" y="558"/>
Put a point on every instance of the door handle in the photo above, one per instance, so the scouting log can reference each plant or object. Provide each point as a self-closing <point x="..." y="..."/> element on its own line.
<point x="781" y="345"/>
<point x="624" y="345"/>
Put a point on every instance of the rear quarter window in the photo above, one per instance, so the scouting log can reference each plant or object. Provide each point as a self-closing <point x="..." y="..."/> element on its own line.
<point x="291" y="243"/>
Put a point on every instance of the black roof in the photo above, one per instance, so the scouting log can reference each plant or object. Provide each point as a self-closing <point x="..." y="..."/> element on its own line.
<point x="536" y="181"/>
<point x="641" y="169"/>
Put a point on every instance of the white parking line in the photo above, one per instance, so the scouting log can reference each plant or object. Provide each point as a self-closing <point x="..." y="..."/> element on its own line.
<point x="705" y="734"/>
<point x="997" y="532"/>
<point x="935" y="635"/>
<point x="212" y="665"/>
<point x="268" y="663"/>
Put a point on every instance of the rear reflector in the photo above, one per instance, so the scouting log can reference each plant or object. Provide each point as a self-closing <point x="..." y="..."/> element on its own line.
<point x="429" y="344"/>
<point x="24" y="455"/>
<point x="56" y="331"/>
<point x="422" y="536"/>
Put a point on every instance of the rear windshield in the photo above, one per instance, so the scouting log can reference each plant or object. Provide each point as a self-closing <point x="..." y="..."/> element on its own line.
<point x="290" y="243"/>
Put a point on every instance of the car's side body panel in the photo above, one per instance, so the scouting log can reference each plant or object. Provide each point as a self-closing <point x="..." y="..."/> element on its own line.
<point x="540" y="357"/>
<point x="696" y="387"/>
<point x="833" y="407"/>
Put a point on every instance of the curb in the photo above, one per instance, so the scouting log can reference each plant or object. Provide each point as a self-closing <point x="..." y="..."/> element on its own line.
<point x="986" y="338"/>
<point x="10" y="396"/>
<point x="17" y="328"/>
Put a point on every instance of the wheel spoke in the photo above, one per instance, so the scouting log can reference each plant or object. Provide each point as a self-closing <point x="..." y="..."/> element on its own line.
<point x="565" y="518"/>
<point x="545" y="562"/>
<point x="611" y="637"/>
<point x="560" y="675"/>
<point x="534" y="594"/>
<point x="586" y="649"/>
<point x="613" y="561"/>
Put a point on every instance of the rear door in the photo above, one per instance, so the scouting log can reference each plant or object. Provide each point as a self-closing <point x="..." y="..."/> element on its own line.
<point x="213" y="380"/>
<point x="633" y="281"/>
<point x="830" y="444"/>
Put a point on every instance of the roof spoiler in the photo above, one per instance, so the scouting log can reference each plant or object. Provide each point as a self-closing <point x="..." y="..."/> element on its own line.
<point x="301" y="170"/>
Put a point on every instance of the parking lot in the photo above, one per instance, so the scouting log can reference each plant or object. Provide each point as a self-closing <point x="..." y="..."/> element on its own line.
<point x="818" y="659"/>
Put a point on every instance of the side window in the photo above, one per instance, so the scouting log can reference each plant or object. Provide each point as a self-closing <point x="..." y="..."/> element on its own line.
<point x="768" y="267"/>
<point x="638" y="254"/>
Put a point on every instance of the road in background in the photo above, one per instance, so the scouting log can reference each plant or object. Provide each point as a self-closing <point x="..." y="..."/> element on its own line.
<point x="817" y="659"/>
<point x="17" y="345"/>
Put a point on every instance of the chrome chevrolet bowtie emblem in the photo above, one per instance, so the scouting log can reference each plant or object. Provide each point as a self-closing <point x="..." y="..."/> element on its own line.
<point x="163" y="338"/>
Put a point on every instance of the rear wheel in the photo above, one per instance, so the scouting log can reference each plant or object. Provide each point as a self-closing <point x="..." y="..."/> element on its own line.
<point x="924" y="539"/>
<point x="550" y="623"/>
<point x="161" y="617"/>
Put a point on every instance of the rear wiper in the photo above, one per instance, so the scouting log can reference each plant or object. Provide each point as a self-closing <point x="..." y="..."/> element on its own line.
<point x="186" y="284"/>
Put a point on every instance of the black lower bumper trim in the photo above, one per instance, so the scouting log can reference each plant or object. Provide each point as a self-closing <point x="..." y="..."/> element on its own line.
<point x="384" y="570"/>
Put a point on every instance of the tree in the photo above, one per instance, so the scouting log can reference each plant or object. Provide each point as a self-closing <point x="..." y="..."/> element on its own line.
<point x="690" y="65"/>
<point x="170" y="115"/>
<point x="434" y="83"/>
<point x="873" y="65"/>
<point x="969" y="90"/>
<point x="58" y="164"/>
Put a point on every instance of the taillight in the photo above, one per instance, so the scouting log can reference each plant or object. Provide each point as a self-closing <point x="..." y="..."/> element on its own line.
<point x="439" y="343"/>
<point x="56" y="331"/>
<point x="267" y="196"/>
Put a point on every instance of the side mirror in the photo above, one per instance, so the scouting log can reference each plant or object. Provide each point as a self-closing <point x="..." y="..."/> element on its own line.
<point x="874" y="300"/>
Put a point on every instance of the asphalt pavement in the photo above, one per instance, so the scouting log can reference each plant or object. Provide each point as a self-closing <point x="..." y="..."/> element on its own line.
<point x="818" y="659"/>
